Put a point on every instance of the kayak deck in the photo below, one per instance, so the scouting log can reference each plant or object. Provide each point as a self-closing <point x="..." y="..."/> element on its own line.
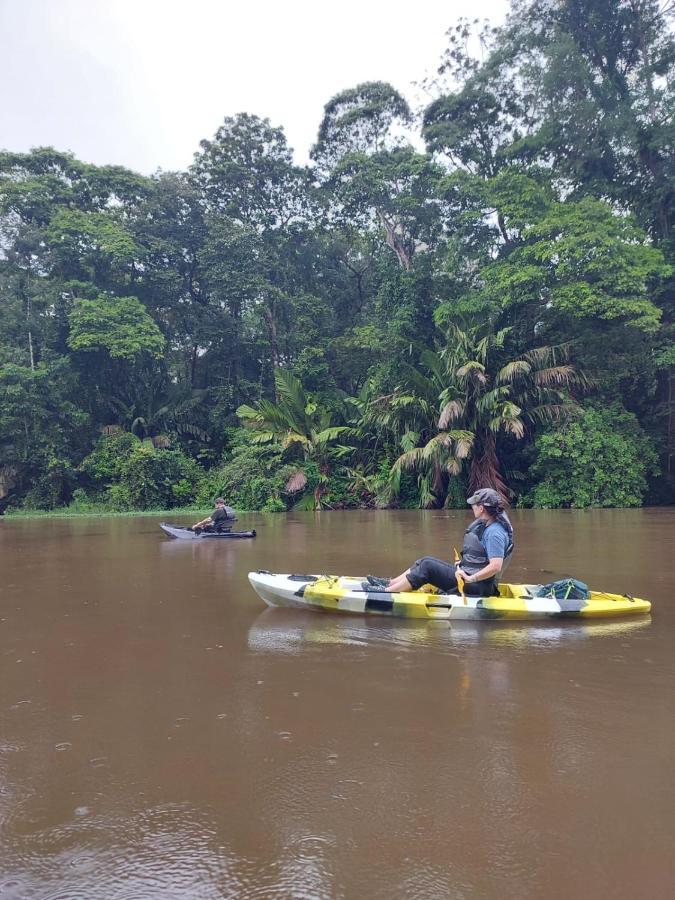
<point x="515" y="601"/>
<point x="183" y="533"/>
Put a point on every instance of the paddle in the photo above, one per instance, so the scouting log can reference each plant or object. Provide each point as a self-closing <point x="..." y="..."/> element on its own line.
<point x="460" y="580"/>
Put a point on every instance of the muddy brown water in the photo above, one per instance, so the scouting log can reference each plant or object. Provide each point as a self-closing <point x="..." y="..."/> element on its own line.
<point x="165" y="735"/>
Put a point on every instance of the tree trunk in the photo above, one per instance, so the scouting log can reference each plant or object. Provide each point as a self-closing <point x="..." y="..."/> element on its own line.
<point x="393" y="240"/>
<point x="274" y="344"/>
<point x="485" y="471"/>
<point x="26" y="296"/>
<point x="193" y="365"/>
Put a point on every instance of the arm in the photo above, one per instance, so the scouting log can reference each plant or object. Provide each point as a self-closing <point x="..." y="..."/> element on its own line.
<point x="206" y="521"/>
<point x="493" y="568"/>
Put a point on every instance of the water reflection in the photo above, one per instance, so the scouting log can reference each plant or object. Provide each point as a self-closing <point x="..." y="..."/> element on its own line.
<point x="289" y="631"/>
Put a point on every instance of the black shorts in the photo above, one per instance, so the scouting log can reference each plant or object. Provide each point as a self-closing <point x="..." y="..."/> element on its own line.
<point x="429" y="570"/>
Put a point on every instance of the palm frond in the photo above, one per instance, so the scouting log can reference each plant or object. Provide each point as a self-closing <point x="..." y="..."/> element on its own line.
<point x="558" y="375"/>
<point x="292" y="437"/>
<point x="194" y="430"/>
<point x="427" y="496"/>
<point x="296" y="482"/>
<point x="452" y="411"/>
<point x="410" y="460"/>
<point x="547" y="413"/>
<point x="514" y="426"/>
<point x="263" y="437"/>
<point x="306" y="502"/>
<point x="418" y="381"/>
<point x="289" y="388"/>
<point x="409" y="440"/>
<point x="472" y="369"/>
<point x="330" y="434"/>
<point x="248" y="412"/>
<point x="512" y="371"/>
<point x="434" y="363"/>
<point x="139" y="422"/>
<point x="464" y="445"/>
<point x="510" y="410"/>
<point x="544" y="356"/>
<point x="339" y="450"/>
<point x="436" y="445"/>
<point x="491" y="399"/>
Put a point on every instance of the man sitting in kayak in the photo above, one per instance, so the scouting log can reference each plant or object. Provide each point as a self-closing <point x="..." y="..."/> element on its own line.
<point x="218" y="519"/>
<point x="488" y="542"/>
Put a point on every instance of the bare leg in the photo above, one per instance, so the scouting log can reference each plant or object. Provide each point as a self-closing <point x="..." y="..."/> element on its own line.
<point x="400" y="584"/>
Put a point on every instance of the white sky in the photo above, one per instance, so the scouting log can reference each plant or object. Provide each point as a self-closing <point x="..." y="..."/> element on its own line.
<point x="140" y="82"/>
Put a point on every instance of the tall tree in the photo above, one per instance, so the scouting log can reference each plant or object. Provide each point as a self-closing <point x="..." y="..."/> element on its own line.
<point x="481" y="392"/>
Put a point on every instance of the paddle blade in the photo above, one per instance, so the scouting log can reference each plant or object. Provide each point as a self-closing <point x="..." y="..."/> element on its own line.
<point x="460" y="585"/>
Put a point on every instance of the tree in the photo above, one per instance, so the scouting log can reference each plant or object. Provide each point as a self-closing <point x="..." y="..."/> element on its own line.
<point x="372" y="175"/>
<point x="120" y="326"/>
<point x="484" y="394"/>
<point x="593" y="81"/>
<point x="395" y="190"/>
<point x="599" y="459"/>
<point x="259" y="206"/>
<point x="42" y="431"/>
<point x="568" y="267"/>
<point x="300" y="426"/>
<point x="364" y="119"/>
<point x="246" y="173"/>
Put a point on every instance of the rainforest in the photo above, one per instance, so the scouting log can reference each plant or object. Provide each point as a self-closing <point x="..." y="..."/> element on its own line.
<point x="472" y="290"/>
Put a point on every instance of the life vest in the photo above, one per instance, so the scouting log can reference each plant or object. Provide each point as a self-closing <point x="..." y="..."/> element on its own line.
<point x="474" y="555"/>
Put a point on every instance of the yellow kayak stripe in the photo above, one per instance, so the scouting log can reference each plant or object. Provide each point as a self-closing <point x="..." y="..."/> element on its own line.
<point x="326" y="592"/>
<point x="608" y="607"/>
<point x="505" y="604"/>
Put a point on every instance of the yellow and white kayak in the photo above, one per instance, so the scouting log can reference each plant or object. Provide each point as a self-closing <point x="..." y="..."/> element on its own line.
<point x="515" y="601"/>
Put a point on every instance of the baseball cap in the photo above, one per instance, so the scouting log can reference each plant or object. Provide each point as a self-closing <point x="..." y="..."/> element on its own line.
<point x="486" y="497"/>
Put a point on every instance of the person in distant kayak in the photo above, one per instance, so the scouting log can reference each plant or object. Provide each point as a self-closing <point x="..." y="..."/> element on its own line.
<point x="488" y="542"/>
<point x="218" y="518"/>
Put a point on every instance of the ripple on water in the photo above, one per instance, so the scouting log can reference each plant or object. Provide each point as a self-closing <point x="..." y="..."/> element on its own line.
<point x="165" y="852"/>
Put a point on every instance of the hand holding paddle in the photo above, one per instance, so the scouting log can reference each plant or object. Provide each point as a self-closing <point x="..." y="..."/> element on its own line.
<point x="460" y="580"/>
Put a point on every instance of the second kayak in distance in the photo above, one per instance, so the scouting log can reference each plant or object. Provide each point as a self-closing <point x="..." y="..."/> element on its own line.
<point x="183" y="533"/>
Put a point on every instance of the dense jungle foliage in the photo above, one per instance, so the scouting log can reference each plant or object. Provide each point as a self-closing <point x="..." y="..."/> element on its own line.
<point x="386" y="325"/>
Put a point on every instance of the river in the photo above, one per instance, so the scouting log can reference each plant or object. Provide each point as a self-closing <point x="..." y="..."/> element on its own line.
<point x="164" y="735"/>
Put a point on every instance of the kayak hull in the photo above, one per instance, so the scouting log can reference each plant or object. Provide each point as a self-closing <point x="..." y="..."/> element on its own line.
<point x="186" y="534"/>
<point x="515" y="601"/>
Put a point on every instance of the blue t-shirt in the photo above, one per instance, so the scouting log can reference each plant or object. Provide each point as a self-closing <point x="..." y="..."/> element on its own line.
<point x="495" y="540"/>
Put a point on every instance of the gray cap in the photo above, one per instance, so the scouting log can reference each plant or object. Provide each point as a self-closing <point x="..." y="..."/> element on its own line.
<point x="219" y="500"/>
<point x="486" y="497"/>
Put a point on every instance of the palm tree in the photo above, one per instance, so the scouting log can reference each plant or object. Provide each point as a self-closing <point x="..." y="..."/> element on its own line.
<point x="301" y="428"/>
<point x="410" y="416"/>
<point x="153" y="408"/>
<point x="481" y="396"/>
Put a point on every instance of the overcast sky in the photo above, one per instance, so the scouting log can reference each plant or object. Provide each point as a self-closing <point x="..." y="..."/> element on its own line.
<point x="140" y="82"/>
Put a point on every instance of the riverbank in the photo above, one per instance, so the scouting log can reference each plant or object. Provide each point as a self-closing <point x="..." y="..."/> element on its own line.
<point x="99" y="514"/>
